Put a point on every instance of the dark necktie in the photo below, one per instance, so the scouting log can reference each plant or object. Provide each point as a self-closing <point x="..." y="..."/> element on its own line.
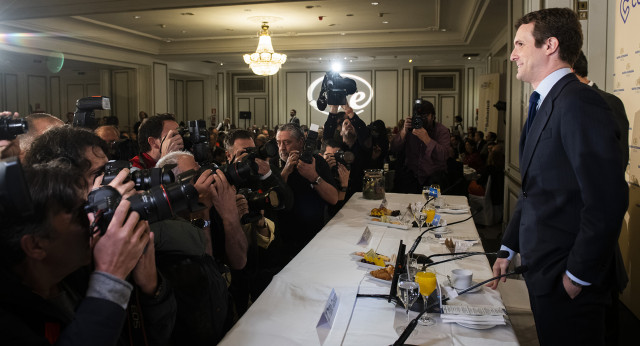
<point x="533" y="108"/>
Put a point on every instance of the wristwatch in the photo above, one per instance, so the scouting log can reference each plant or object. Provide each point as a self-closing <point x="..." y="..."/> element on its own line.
<point x="201" y="223"/>
<point x="316" y="182"/>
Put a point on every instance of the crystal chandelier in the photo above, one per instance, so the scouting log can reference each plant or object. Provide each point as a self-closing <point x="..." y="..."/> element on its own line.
<point x="264" y="61"/>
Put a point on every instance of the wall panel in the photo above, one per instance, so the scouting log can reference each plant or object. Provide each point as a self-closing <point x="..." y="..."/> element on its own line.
<point x="259" y="114"/>
<point x="296" y="98"/>
<point x="121" y="91"/>
<point x="195" y="99"/>
<point x="160" y="88"/>
<point x="55" y="97"/>
<point x="37" y="94"/>
<point x="386" y="96"/>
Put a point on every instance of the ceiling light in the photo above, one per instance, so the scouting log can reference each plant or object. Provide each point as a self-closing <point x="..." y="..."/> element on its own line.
<point x="136" y="17"/>
<point x="443" y="30"/>
<point x="265" y="62"/>
<point x="374" y="3"/>
<point x="468" y="58"/>
<point x="385" y="22"/>
<point x="410" y="60"/>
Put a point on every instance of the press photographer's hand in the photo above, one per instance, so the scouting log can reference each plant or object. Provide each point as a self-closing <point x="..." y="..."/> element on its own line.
<point x="171" y="142"/>
<point x="118" y="251"/>
<point x="308" y="170"/>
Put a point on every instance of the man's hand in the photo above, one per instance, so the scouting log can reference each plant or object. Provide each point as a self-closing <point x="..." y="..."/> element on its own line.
<point x="145" y="273"/>
<point x="171" y="142"/>
<point x="203" y="185"/>
<point x="571" y="289"/>
<point x="223" y="196"/>
<point x="118" y="251"/>
<point x="500" y="267"/>
<point x="348" y="111"/>
<point x="290" y="165"/>
<point x="242" y="204"/>
<point x="422" y="134"/>
<point x="263" y="166"/>
<point x="126" y="190"/>
<point x="333" y="109"/>
<point x="308" y="170"/>
<point x="344" y="173"/>
<point x="331" y="160"/>
<point x="376" y="152"/>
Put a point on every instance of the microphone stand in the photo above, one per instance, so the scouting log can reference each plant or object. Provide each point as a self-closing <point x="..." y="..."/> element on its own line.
<point x="412" y="325"/>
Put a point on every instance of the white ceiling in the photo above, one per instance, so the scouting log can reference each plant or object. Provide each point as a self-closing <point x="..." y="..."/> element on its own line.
<point x="307" y="31"/>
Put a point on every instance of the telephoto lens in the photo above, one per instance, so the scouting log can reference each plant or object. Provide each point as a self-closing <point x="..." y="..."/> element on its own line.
<point x="157" y="204"/>
<point x="11" y="128"/>
<point x="143" y="179"/>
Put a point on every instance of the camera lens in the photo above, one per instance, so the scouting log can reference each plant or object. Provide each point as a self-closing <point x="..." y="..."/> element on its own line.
<point x="10" y="128"/>
<point x="161" y="202"/>
<point x="148" y="178"/>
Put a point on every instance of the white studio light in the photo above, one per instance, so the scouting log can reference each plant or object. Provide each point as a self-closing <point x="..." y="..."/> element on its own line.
<point x="336" y="67"/>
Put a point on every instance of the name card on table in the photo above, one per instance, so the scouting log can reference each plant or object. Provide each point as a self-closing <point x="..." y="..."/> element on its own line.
<point x="328" y="316"/>
<point x="366" y="237"/>
<point x="436" y="220"/>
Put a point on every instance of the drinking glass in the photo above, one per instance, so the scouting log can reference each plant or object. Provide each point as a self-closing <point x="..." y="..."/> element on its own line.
<point x="425" y="193"/>
<point x="408" y="291"/>
<point x="418" y="215"/>
<point x="427" y="282"/>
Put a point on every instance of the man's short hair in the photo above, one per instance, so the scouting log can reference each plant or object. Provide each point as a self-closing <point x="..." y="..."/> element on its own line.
<point x="234" y="135"/>
<point x="172" y="159"/>
<point x="26" y="139"/>
<point x="152" y="127"/>
<point x="104" y="128"/>
<point x="54" y="188"/>
<point x="561" y="23"/>
<point x="581" y="66"/>
<point x="480" y="134"/>
<point x="492" y="136"/>
<point x="426" y="108"/>
<point x="331" y="142"/>
<point x="65" y="142"/>
<point x="294" y="129"/>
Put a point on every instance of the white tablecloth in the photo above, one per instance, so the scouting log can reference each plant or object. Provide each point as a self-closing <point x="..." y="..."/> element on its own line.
<point x="289" y="309"/>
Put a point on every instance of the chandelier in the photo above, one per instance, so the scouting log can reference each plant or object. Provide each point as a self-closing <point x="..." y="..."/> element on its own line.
<point x="264" y="61"/>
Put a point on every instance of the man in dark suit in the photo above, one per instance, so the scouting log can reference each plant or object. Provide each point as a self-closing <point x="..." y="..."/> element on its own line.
<point x="581" y="69"/>
<point x="569" y="213"/>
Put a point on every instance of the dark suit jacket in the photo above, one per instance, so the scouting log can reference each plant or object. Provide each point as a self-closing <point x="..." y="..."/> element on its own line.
<point x="574" y="196"/>
<point x="620" y="116"/>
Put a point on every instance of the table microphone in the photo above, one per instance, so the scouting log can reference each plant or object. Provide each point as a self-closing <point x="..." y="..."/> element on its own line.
<point x="422" y="259"/>
<point x="412" y="325"/>
<point x="500" y="254"/>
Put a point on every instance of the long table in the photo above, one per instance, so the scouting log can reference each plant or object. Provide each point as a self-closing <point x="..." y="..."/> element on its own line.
<point x="288" y="311"/>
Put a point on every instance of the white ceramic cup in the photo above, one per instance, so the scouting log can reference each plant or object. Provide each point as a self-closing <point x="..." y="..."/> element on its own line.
<point x="461" y="278"/>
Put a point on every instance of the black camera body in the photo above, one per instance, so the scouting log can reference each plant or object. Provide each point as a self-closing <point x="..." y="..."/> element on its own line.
<point x="310" y="144"/>
<point x="334" y="90"/>
<point x="14" y="192"/>
<point x="143" y="179"/>
<point x="156" y="204"/>
<point x="196" y="140"/>
<point x="237" y="173"/>
<point x="418" y="119"/>
<point x="344" y="157"/>
<point x="85" y="115"/>
<point x="11" y="128"/>
<point x="264" y="152"/>
<point x="257" y="200"/>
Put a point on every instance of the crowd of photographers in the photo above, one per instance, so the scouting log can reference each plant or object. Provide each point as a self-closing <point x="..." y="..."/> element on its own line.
<point x="166" y="235"/>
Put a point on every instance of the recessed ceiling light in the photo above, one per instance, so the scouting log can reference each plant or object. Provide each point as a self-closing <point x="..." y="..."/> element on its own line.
<point x="221" y="63"/>
<point x="410" y="60"/>
<point x="184" y="31"/>
<point x="163" y="25"/>
<point x="186" y="14"/>
<point x="345" y="58"/>
<point x="136" y="17"/>
<point x="374" y="3"/>
<point x="167" y="40"/>
<point x="331" y="24"/>
<point x="468" y="58"/>
<point x="320" y="58"/>
<point x="350" y="60"/>
<point x="443" y="30"/>
<point x="385" y="22"/>
<point x="343" y="33"/>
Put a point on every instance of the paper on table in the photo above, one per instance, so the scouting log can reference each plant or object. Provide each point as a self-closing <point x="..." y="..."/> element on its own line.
<point x="478" y="314"/>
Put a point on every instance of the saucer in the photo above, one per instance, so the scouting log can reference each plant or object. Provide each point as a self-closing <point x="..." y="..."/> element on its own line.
<point x="473" y="283"/>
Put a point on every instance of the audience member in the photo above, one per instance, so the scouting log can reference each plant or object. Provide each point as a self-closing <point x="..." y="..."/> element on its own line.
<point x="293" y="118"/>
<point x="472" y="157"/>
<point x="157" y="137"/>
<point x="425" y="152"/>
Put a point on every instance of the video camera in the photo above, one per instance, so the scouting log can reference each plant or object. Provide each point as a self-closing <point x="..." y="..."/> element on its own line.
<point x="196" y="139"/>
<point x="14" y="192"/>
<point x="85" y="115"/>
<point x="143" y="179"/>
<point x="11" y="128"/>
<point x="310" y="144"/>
<point x="334" y="90"/>
<point x="156" y="204"/>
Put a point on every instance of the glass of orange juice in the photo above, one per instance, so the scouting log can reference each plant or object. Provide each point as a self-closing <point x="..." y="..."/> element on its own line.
<point x="427" y="282"/>
<point x="431" y="213"/>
